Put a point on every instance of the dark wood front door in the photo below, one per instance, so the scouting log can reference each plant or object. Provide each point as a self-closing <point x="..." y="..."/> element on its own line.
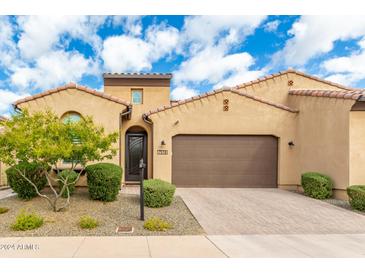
<point x="136" y="148"/>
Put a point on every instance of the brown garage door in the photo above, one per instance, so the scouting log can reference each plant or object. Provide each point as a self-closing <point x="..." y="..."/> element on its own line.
<point x="224" y="161"/>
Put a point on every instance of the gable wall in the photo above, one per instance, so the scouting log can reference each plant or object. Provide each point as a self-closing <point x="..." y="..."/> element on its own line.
<point x="104" y="112"/>
<point x="276" y="89"/>
<point x="245" y="117"/>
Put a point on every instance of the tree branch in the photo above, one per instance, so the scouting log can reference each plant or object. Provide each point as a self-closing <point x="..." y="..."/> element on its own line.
<point x="35" y="187"/>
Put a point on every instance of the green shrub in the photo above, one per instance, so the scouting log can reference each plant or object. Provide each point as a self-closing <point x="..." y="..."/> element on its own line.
<point x="88" y="222"/>
<point x="357" y="196"/>
<point x="103" y="180"/>
<point x="158" y="193"/>
<point x="3" y="210"/>
<point x="71" y="177"/>
<point x="27" y="221"/>
<point x="317" y="185"/>
<point x="21" y="186"/>
<point x="156" y="224"/>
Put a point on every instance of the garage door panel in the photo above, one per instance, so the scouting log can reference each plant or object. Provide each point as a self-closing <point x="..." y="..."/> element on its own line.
<point x="239" y="166"/>
<point x="224" y="161"/>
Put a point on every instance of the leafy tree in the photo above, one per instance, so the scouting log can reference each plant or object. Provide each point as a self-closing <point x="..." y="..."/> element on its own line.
<point x="42" y="138"/>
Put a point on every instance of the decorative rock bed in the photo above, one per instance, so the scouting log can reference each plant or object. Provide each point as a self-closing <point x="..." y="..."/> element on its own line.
<point x="123" y="212"/>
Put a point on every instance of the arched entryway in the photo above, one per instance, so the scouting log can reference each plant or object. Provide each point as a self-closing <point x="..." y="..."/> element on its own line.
<point x="135" y="150"/>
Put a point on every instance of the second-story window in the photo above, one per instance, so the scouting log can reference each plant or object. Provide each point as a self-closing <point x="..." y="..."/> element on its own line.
<point x="137" y="96"/>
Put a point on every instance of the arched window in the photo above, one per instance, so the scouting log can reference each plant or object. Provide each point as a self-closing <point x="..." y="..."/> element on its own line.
<point x="71" y="117"/>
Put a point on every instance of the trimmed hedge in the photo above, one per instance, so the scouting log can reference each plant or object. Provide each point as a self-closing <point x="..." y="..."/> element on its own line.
<point x="103" y="180"/>
<point x="158" y="193"/>
<point x="317" y="185"/>
<point x="71" y="177"/>
<point x="357" y="196"/>
<point x="21" y="186"/>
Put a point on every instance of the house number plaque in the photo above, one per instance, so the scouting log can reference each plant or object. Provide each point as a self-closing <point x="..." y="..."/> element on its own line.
<point x="162" y="152"/>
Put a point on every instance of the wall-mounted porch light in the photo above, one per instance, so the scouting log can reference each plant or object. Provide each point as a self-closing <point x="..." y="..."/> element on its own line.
<point x="163" y="143"/>
<point x="291" y="144"/>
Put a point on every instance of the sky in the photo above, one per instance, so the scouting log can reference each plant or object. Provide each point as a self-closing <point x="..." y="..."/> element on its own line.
<point x="203" y="52"/>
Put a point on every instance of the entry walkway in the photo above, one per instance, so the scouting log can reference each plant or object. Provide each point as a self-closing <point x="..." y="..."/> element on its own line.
<point x="215" y="246"/>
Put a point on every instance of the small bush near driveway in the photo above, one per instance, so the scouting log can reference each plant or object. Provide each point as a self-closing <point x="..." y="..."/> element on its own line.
<point x="21" y="186"/>
<point x="27" y="221"/>
<point x="356" y="194"/>
<point x="87" y="222"/>
<point x="103" y="181"/>
<point x="71" y="177"/>
<point x="156" y="224"/>
<point x="3" y="210"/>
<point x="317" y="185"/>
<point x="158" y="193"/>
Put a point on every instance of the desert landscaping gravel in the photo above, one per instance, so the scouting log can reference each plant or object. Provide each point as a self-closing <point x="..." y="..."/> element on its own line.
<point x="337" y="202"/>
<point x="123" y="212"/>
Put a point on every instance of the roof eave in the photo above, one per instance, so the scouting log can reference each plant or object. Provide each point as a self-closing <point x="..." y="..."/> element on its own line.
<point x="165" y="76"/>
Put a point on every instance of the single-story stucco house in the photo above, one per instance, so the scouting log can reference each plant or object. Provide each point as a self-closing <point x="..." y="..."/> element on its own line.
<point x="264" y="133"/>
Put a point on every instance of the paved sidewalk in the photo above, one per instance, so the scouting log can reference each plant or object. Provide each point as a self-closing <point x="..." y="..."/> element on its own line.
<point x="214" y="246"/>
<point x="4" y="193"/>
<point x="110" y="247"/>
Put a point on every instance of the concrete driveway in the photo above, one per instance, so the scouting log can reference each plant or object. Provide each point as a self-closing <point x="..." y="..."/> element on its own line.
<point x="223" y="211"/>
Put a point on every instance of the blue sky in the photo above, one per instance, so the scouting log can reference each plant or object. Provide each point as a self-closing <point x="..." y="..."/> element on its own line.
<point x="203" y="52"/>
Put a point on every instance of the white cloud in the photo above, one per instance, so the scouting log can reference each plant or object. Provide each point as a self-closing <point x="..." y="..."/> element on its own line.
<point x="53" y="69"/>
<point x="272" y="26"/>
<point x="7" y="98"/>
<point x="213" y="66"/>
<point x="162" y="40"/>
<point x="208" y="41"/>
<point x="8" y="49"/>
<point x="182" y="92"/>
<point x="346" y="70"/>
<point x="127" y="53"/>
<point x="41" y="34"/>
<point x="242" y="76"/>
<point x="202" y="31"/>
<point x="315" y="35"/>
<point x="131" y="24"/>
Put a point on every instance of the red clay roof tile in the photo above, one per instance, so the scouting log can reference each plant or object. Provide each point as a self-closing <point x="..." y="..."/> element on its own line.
<point x="339" y="94"/>
<point x="273" y="75"/>
<point x="210" y="93"/>
<point x="72" y="86"/>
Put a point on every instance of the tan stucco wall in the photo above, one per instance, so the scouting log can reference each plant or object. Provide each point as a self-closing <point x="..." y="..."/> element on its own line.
<point x="322" y="141"/>
<point x="153" y="97"/>
<point x="245" y="117"/>
<point x="323" y="137"/>
<point x="104" y="112"/>
<point x="276" y="89"/>
<point x="357" y="148"/>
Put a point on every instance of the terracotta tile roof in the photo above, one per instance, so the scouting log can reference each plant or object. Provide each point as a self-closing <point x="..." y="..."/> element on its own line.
<point x="274" y="75"/>
<point x="139" y="75"/>
<point x="233" y="90"/>
<point x="2" y="118"/>
<point x="338" y="94"/>
<point x="75" y="86"/>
